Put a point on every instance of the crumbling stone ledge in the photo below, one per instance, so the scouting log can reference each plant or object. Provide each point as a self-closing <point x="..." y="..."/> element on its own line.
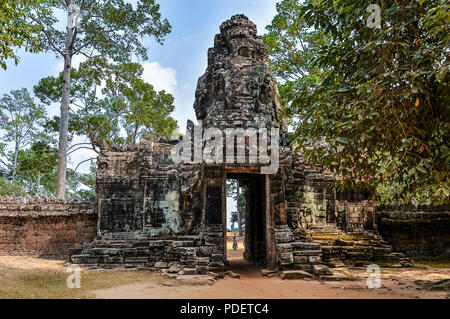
<point x="418" y="231"/>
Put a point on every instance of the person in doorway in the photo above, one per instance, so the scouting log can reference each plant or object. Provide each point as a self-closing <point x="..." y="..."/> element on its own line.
<point x="235" y="242"/>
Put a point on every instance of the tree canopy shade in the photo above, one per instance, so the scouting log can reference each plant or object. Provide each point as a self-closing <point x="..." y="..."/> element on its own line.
<point x="16" y="30"/>
<point x="371" y="104"/>
<point x="113" y="29"/>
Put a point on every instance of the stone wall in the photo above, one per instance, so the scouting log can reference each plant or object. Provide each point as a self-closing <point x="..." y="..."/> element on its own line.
<point x="355" y="211"/>
<point x="142" y="192"/>
<point x="418" y="231"/>
<point x="44" y="226"/>
<point x="321" y="207"/>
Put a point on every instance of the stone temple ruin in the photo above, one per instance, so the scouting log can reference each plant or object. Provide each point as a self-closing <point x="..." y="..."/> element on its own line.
<point x="155" y="210"/>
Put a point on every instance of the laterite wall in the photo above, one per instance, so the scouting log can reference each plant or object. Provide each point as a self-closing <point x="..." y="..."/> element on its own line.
<point x="419" y="231"/>
<point x="36" y="226"/>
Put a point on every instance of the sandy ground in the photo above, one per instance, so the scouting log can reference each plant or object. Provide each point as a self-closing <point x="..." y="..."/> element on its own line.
<point x="396" y="284"/>
<point x="28" y="277"/>
<point x="232" y="254"/>
<point x="29" y="263"/>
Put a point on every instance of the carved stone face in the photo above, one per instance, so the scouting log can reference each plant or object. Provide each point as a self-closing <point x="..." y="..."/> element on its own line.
<point x="238" y="27"/>
<point x="238" y="84"/>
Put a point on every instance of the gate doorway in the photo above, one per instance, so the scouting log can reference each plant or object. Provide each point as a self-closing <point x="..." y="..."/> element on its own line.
<point x="236" y="207"/>
<point x="257" y="241"/>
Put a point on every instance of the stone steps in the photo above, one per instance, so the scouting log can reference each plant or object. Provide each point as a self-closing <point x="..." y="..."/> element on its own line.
<point x="157" y="254"/>
<point x="325" y="229"/>
<point x="359" y="248"/>
<point x="104" y="253"/>
<point x="294" y="254"/>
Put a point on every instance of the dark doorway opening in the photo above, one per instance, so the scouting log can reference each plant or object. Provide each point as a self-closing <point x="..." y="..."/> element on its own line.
<point x="236" y="207"/>
<point x="254" y="233"/>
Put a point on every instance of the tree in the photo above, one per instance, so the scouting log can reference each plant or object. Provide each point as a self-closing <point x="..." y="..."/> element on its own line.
<point x="3" y="161"/>
<point x="238" y="194"/>
<point x="11" y="188"/>
<point x="16" y="31"/>
<point x="108" y="28"/>
<point x="20" y="118"/>
<point x="125" y="103"/>
<point x="36" y="173"/>
<point x="130" y="104"/>
<point x="292" y="47"/>
<point x="89" y="181"/>
<point x="376" y="112"/>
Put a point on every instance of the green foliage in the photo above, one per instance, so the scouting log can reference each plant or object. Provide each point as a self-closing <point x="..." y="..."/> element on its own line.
<point x="242" y="204"/>
<point x="30" y="161"/>
<point x="20" y="116"/>
<point x="292" y="46"/>
<point x="124" y="102"/>
<point x="112" y="29"/>
<point x="16" y="30"/>
<point x="20" y="120"/>
<point x="36" y="171"/>
<point x="372" y="105"/>
<point x="137" y="106"/>
<point x="11" y="188"/>
<point x="88" y="181"/>
<point x="108" y="28"/>
<point x="36" y="167"/>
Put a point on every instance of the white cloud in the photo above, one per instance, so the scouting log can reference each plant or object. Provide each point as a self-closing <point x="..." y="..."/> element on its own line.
<point x="161" y="78"/>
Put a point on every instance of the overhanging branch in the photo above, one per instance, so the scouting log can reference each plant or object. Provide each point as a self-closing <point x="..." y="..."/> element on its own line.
<point x="89" y="159"/>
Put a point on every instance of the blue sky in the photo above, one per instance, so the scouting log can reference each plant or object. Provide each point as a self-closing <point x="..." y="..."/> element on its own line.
<point x="194" y="24"/>
<point x="175" y="66"/>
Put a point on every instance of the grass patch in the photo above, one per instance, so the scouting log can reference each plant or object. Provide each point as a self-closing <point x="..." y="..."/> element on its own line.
<point x="349" y="274"/>
<point x="45" y="283"/>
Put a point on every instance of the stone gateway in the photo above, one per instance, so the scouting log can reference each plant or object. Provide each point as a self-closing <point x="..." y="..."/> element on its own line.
<point x="155" y="211"/>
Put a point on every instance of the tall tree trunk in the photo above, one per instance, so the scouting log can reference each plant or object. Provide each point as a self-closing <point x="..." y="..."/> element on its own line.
<point x="39" y="184"/>
<point x="16" y="153"/>
<point x="64" y="123"/>
<point x="238" y="208"/>
<point x="135" y="134"/>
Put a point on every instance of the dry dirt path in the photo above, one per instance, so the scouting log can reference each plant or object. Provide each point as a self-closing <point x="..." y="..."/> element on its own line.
<point x="253" y="285"/>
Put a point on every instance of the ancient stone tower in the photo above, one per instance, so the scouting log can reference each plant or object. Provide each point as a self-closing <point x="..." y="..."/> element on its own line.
<point x="237" y="89"/>
<point x="164" y="202"/>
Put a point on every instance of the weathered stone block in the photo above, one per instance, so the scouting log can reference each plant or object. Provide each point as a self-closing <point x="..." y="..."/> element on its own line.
<point x="321" y="270"/>
<point x="161" y="264"/>
<point x="295" y="274"/>
<point x="216" y="257"/>
<point x="314" y="259"/>
<point x="301" y="259"/>
<point x="201" y="269"/>
<point x="175" y="268"/>
<point x="307" y="253"/>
